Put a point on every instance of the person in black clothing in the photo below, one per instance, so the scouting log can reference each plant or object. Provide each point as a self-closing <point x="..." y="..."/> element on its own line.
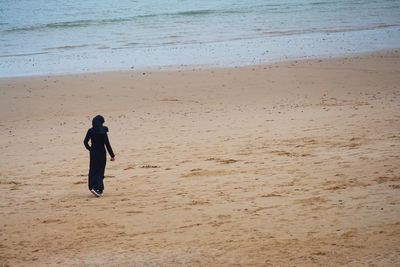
<point x="98" y="136"/>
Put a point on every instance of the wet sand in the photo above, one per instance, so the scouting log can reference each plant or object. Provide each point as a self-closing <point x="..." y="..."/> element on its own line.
<point x="290" y="164"/>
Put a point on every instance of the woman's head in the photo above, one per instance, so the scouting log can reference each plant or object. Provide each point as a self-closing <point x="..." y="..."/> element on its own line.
<point x="97" y="125"/>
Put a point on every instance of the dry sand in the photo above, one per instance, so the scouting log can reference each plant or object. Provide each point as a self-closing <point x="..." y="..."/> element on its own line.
<point x="292" y="164"/>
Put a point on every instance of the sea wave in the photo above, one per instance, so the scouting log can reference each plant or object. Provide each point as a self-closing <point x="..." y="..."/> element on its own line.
<point x="257" y="8"/>
<point x="64" y="24"/>
<point x="92" y="22"/>
<point x="327" y="30"/>
<point x="23" y="54"/>
<point x="259" y="33"/>
<point x="66" y="47"/>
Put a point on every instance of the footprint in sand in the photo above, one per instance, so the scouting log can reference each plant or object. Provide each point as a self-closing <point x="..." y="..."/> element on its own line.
<point x="222" y="161"/>
<point x="199" y="202"/>
<point x="311" y="201"/>
<point x="387" y="179"/>
<point x="134" y="211"/>
<point x="149" y="167"/>
<point x="10" y="182"/>
<point x="130" y="167"/>
<point x="200" y="172"/>
<point x="216" y="223"/>
<point x="53" y="221"/>
<point x="270" y="195"/>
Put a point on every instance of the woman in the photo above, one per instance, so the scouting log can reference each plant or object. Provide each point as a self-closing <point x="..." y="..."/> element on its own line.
<point x="98" y="136"/>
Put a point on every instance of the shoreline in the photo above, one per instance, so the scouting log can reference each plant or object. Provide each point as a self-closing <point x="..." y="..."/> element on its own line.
<point x="186" y="68"/>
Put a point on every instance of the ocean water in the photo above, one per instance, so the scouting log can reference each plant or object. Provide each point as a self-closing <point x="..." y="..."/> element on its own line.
<point x="54" y="36"/>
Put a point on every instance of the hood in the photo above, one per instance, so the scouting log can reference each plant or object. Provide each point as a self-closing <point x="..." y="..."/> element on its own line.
<point x="97" y="125"/>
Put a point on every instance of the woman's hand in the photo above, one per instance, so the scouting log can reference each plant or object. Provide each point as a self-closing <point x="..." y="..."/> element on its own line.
<point x="112" y="159"/>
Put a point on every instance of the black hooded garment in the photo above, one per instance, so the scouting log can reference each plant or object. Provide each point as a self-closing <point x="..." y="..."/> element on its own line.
<point x="98" y="136"/>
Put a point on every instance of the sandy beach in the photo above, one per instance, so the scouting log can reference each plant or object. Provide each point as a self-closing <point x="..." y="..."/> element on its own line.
<point x="289" y="164"/>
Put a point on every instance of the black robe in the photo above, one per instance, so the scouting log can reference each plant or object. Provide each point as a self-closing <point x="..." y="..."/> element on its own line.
<point x="97" y="166"/>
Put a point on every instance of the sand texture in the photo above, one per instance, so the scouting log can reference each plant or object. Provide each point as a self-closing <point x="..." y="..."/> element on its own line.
<point x="292" y="164"/>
